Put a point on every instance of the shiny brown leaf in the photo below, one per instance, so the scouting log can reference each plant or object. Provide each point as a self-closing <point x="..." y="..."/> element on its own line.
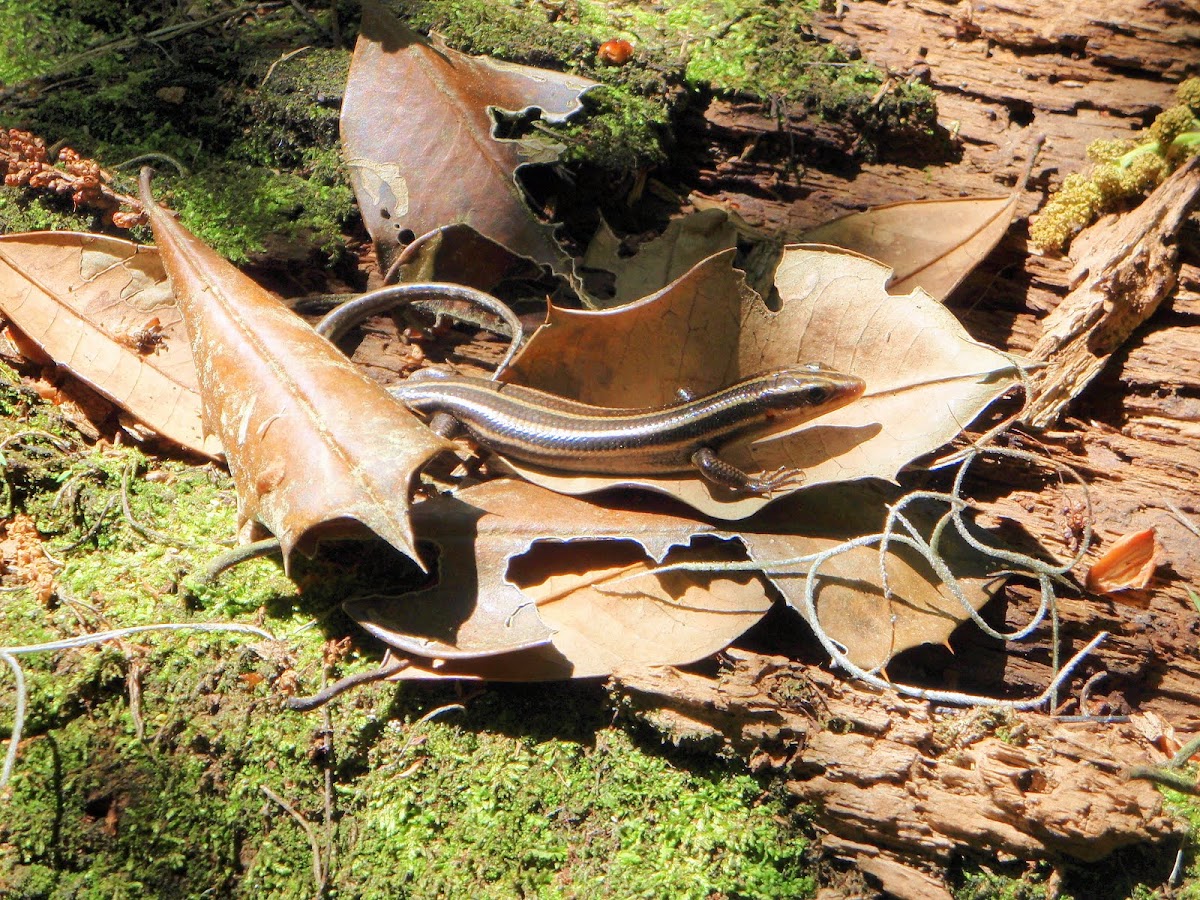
<point x="311" y="442"/>
<point x="418" y="133"/>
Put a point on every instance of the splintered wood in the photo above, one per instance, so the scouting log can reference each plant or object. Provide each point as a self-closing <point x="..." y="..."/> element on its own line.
<point x="886" y="773"/>
<point x="1125" y="266"/>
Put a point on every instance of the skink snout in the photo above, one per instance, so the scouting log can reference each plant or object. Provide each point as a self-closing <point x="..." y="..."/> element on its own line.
<point x="815" y="388"/>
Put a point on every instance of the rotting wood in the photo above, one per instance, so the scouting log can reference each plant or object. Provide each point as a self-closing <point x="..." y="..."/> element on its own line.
<point x="887" y="772"/>
<point x="1002" y="74"/>
<point x="1125" y="266"/>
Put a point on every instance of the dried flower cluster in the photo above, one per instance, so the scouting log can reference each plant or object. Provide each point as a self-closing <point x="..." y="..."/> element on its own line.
<point x="25" y="163"/>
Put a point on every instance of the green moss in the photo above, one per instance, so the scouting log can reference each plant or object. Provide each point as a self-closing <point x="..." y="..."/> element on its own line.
<point x="34" y="35"/>
<point x="984" y="885"/>
<point x="262" y="157"/>
<point x="553" y="817"/>
<point x="1187" y="806"/>
<point x="242" y="212"/>
<point x="21" y="211"/>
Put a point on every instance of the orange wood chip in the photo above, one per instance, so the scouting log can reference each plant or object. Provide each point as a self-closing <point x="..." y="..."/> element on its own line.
<point x="1128" y="563"/>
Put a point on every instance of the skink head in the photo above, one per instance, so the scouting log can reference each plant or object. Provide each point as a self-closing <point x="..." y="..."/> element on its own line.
<point x="799" y="392"/>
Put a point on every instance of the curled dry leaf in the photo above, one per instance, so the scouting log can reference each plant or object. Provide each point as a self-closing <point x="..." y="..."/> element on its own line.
<point x="1128" y="563"/>
<point x="313" y="444"/>
<point x="102" y="308"/>
<point x="929" y="244"/>
<point x="509" y="605"/>
<point x="926" y="379"/>
<point x="418" y="133"/>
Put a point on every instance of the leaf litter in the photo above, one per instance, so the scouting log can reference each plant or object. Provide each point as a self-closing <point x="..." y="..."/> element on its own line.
<point x="419" y="135"/>
<point x="300" y="471"/>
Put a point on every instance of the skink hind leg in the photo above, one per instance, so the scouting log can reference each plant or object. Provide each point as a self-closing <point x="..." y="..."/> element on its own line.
<point x="728" y="475"/>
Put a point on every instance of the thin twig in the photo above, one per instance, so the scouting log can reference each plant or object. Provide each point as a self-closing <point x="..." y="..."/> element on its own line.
<point x="282" y="59"/>
<point x="91" y="532"/>
<point x="99" y="637"/>
<point x="1183" y="519"/>
<point x="413" y="737"/>
<point x="323" y="696"/>
<point x="169" y="32"/>
<point x="14" y="740"/>
<point x="231" y="558"/>
<point x="318" y="874"/>
<point x="10" y="654"/>
<point x="144" y="530"/>
<point x="165" y="157"/>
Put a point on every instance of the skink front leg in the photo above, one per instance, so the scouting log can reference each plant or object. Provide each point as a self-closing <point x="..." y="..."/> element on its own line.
<point x="445" y="425"/>
<point x="728" y="475"/>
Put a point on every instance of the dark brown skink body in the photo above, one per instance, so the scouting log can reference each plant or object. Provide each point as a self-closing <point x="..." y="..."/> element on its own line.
<point x="566" y="436"/>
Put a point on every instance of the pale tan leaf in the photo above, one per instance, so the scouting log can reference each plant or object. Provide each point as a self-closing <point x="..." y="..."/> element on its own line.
<point x="101" y="308"/>
<point x="926" y="379"/>
<point x="418" y="124"/>
<point x="850" y="600"/>
<point x="311" y="442"/>
<point x="685" y="242"/>
<point x="930" y="244"/>
<point x="538" y="583"/>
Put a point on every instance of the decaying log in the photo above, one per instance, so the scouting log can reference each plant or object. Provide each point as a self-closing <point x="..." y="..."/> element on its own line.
<point x="887" y="772"/>
<point x="1125" y="266"/>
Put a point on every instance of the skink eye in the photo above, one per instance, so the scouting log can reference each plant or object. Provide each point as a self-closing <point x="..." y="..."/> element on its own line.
<point x="815" y="395"/>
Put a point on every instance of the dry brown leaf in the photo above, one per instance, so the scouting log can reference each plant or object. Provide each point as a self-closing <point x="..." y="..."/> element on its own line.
<point x="533" y="586"/>
<point x="926" y="379"/>
<point x="850" y="600"/>
<point x="461" y="255"/>
<point x="101" y="307"/>
<point x="930" y="244"/>
<point x="418" y="125"/>
<point x="311" y="442"/>
<point x="685" y="242"/>
<point x="546" y="581"/>
<point x="1128" y="563"/>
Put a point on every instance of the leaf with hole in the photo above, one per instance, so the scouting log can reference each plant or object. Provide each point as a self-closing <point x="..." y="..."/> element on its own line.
<point x="926" y="378"/>
<point x="419" y="134"/>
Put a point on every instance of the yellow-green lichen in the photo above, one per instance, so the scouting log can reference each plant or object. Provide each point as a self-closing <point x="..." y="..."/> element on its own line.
<point x="1124" y="170"/>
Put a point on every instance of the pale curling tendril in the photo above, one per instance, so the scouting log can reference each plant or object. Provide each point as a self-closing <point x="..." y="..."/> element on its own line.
<point x="899" y="529"/>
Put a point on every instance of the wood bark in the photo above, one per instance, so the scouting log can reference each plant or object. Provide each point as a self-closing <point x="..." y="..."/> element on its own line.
<point x="896" y="800"/>
<point x="897" y="785"/>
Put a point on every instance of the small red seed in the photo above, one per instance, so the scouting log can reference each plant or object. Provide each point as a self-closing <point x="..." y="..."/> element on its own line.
<point x="615" y="53"/>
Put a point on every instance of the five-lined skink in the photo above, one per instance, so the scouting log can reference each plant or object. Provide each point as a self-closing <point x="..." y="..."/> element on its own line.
<point x="564" y="435"/>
